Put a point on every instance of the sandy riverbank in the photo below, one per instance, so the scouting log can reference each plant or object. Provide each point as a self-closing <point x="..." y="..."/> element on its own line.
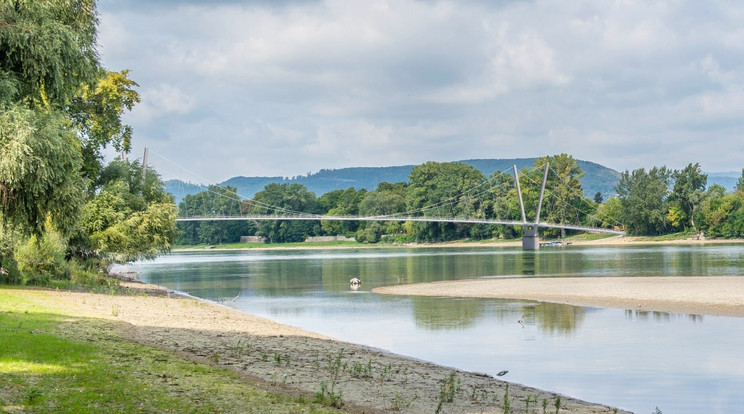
<point x="288" y="359"/>
<point x="707" y="295"/>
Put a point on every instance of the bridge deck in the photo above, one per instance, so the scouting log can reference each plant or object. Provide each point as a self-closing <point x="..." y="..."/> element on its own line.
<point x="398" y="218"/>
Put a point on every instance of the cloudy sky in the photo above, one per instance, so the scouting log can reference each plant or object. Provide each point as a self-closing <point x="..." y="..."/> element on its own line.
<point x="287" y="87"/>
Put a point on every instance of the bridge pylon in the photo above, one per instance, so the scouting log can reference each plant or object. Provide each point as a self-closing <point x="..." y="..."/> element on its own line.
<point x="531" y="237"/>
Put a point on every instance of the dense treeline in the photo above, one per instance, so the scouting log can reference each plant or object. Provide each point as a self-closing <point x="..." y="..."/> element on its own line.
<point x="662" y="201"/>
<point x="434" y="190"/>
<point x="64" y="214"/>
<point x="654" y="202"/>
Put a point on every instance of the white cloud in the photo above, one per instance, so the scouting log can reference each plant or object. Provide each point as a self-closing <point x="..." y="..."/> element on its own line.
<point x="321" y="84"/>
<point x="160" y="101"/>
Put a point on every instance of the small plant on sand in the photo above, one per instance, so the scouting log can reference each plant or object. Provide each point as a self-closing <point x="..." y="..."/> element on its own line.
<point x="507" y="403"/>
<point x="216" y="358"/>
<point x="278" y="359"/>
<point x="328" y="394"/>
<point x="361" y="371"/>
<point x="239" y="349"/>
<point x="557" y="404"/>
<point x="400" y="404"/>
<point x="386" y="374"/>
<point x="545" y="406"/>
<point x="447" y="390"/>
<point x="527" y="401"/>
<point x="328" y="397"/>
<point x="265" y="357"/>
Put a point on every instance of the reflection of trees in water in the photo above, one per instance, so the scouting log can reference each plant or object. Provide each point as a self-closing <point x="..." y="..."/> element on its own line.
<point x="439" y="314"/>
<point x="554" y="317"/>
<point x="450" y="313"/>
<point x="660" y="316"/>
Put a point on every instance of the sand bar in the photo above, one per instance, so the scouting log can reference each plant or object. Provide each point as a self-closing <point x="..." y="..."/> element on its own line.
<point x="709" y="295"/>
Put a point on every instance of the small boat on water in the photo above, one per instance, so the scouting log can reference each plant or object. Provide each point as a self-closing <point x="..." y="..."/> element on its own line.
<point x="556" y="243"/>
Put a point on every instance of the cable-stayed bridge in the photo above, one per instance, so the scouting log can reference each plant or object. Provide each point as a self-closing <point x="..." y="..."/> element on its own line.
<point x="531" y="228"/>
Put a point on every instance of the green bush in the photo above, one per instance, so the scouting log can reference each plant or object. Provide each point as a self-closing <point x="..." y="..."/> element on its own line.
<point x="42" y="259"/>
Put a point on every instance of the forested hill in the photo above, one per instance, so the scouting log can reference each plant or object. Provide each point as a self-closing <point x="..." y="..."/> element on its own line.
<point x="597" y="178"/>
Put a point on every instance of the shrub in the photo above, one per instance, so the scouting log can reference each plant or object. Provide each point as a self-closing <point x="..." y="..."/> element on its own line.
<point x="42" y="259"/>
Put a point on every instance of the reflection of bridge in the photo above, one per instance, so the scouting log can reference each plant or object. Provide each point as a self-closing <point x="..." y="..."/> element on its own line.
<point x="530" y="240"/>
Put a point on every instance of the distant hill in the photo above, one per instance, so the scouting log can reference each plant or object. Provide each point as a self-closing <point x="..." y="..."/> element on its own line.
<point x="726" y="179"/>
<point x="597" y="178"/>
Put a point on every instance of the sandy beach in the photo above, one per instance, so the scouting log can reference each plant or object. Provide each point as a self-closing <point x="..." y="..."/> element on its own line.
<point x="708" y="295"/>
<point x="285" y="359"/>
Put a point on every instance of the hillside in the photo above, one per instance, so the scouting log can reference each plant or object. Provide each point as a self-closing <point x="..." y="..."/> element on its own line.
<point x="597" y="178"/>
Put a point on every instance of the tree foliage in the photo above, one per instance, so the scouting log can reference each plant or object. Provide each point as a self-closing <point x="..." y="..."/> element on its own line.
<point x="58" y="109"/>
<point x="213" y="201"/>
<point x="643" y="197"/>
<point x="445" y="190"/>
<point x="40" y="162"/>
<point x="48" y="49"/>
<point x="740" y="182"/>
<point x="687" y="193"/>
<point x="283" y="199"/>
<point x="128" y="218"/>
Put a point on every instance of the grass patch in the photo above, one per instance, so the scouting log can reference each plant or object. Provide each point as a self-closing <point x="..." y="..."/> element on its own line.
<point x="51" y="362"/>
<point x="682" y="235"/>
<point x="272" y="245"/>
<point x="589" y="236"/>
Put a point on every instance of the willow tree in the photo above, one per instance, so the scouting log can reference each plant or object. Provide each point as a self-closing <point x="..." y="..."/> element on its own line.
<point x="58" y="109"/>
<point x="48" y="53"/>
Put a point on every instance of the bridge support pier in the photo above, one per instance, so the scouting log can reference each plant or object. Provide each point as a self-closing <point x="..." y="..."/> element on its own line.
<point x="531" y="239"/>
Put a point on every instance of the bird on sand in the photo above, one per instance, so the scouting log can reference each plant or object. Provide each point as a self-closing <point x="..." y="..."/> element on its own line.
<point x="502" y="373"/>
<point x="521" y="321"/>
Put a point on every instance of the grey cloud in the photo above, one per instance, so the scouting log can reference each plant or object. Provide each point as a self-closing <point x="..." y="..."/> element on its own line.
<point x="326" y="84"/>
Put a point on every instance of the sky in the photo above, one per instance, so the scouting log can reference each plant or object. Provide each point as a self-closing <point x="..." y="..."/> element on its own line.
<point x="290" y="87"/>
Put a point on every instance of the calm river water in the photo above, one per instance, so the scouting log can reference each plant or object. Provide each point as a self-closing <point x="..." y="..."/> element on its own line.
<point x="633" y="360"/>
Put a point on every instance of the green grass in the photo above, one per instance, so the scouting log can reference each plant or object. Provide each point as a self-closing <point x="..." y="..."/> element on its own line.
<point x="274" y="245"/>
<point x="683" y="235"/>
<point x="56" y="363"/>
<point x="589" y="236"/>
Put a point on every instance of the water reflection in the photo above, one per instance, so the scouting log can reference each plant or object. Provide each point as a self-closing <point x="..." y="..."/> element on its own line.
<point x="638" y="315"/>
<point x="554" y="318"/>
<point x="434" y="314"/>
<point x="632" y="359"/>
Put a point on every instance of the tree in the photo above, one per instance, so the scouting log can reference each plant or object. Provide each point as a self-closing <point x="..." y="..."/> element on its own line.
<point x="127" y="219"/>
<point x="285" y="199"/>
<point x="341" y="203"/>
<point x="39" y="171"/>
<point x="598" y="197"/>
<point x="387" y="199"/>
<point x="688" y="192"/>
<point x="445" y="190"/>
<point x="740" y="182"/>
<point x="643" y="197"/>
<point x="215" y="201"/>
<point x="48" y="50"/>
<point x="721" y="214"/>
<point x="610" y="213"/>
<point x="564" y="201"/>
<point x="96" y="111"/>
<point x="503" y="203"/>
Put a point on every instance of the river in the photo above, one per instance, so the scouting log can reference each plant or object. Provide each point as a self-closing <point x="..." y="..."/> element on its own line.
<point x="638" y="361"/>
